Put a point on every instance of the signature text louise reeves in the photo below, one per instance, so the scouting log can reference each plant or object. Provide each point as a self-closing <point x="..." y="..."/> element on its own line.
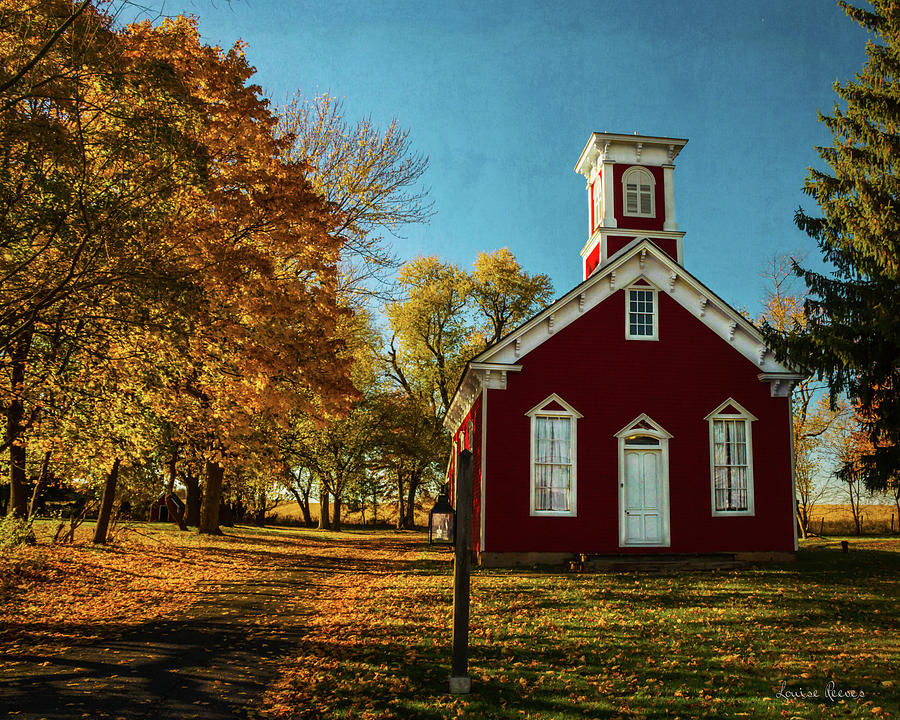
<point x="830" y="692"/>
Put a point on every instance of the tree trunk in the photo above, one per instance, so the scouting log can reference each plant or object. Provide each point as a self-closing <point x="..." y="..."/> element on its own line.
<point x="897" y="503"/>
<point x="212" y="498"/>
<point x="106" y="504"/>
<point x="173" y="510"/>
<point x="303" y="502"/>
<point x="41" y="483"/>
<point x="401" y="507"/>
<point x="803" y="520"/>
<point x="336" y="513"/>
<point x="192" y="499"/>
<point x="15" y="416"/>
<point x="411" y="501"/>
<point x="854" y="507"/>
<point x="260" y="515"/>
<point x="324" y="514"/>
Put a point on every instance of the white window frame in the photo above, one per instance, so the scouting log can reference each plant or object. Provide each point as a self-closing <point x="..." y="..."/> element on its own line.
<point x="655" y="296"/>
<point x="639" y="427"/>
<point x="597" y="190"/>
<point x="567" y="412"/>
<point x="642" y="173"/>
<point x="747" y="418"/>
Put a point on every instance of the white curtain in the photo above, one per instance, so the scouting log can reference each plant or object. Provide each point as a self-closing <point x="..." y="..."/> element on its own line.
<point x="553" y="462"/>
<point x="730" y="452"/>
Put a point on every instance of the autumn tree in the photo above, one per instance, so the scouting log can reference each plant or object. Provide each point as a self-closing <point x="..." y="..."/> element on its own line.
<point x="161" y="203"/>
<point x="87" y="177"/>
<point x="845" y="445"/>
<point x="504" y="294"/>
<point x="812" y="413"/>
<point x="446" y="317"/>
<point x="852" y="338"/>
<point x="410" y="450"/>
<point x="371" y="175"/>
<point x="300" y="483"/>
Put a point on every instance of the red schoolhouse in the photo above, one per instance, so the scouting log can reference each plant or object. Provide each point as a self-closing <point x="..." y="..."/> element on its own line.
<point x="637" y="414"/>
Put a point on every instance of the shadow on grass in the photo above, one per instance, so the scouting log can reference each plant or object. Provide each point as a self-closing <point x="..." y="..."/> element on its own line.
<point x="609" y="644"/>
<point x="208" y="664"/>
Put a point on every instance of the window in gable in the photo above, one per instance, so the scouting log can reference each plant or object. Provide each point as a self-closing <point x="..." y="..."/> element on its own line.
<point x="640" y="314"/>
<point x="731" y="459"/>
<point x="553" y="457"/>
<point x="638" y="191"/>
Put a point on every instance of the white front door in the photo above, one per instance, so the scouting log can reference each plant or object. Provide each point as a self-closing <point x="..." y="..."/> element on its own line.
<point x="645" y="505"/>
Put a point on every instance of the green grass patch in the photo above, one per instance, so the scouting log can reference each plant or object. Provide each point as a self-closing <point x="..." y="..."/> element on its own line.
<point x="601" y="645"/>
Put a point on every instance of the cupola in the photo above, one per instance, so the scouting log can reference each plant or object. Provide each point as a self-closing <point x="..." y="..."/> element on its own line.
<point x="630" y="195"/>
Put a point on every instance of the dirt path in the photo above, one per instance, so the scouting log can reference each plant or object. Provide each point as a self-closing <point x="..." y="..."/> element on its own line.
<point x="211" y="663"/>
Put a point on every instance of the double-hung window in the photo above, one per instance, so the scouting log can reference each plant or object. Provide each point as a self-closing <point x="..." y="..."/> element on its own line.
<point x="639" y="190"/>
<point x="640" y="316"/>
<point x="731" y="459"/>
<point x="553" y="457"/>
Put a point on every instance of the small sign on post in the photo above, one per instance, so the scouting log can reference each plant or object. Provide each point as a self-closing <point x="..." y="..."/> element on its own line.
<point x="460" y="682"/>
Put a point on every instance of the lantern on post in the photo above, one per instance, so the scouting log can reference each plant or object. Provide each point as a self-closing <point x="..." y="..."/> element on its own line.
<point x="442" y="521"/>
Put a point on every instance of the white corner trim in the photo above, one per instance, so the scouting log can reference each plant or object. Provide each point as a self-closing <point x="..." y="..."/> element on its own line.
<point x="794" y="519"/>
<point x="484" y="398"/>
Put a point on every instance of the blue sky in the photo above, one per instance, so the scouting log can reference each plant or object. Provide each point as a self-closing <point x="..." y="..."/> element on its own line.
<point x="502" y="97"/>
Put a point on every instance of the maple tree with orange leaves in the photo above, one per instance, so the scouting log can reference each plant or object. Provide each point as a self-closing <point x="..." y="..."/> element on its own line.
<point x="162" y="259"/>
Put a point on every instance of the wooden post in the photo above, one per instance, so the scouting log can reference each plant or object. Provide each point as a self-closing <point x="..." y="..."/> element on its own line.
<point x="460" y="682"/>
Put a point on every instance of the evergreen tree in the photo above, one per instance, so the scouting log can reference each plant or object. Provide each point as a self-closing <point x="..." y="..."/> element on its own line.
<point x="852" y="337"/>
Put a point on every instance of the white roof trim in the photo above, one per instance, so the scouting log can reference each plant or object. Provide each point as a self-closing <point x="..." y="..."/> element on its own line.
<point x="663" y="273"/>
<point x="657" y="431"/>
<point x="539" y="408"/>
<point x="619" y="265"/>
<point x="742" y="412"/>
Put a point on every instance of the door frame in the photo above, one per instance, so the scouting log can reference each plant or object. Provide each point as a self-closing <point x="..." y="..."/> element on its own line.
<point x="643" y="425"/>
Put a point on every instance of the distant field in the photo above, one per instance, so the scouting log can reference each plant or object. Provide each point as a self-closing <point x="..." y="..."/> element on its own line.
<point x="387" y="514"/>
<point x="826" y="519"/>
<point x="837" y="520"/>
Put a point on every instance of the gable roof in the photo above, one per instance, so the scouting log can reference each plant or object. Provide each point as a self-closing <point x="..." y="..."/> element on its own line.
<point x="639" y="259"/>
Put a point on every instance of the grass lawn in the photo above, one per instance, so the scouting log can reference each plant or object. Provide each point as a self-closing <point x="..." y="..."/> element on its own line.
<point x="544" y="644"/>
<point x="604" y="645"/>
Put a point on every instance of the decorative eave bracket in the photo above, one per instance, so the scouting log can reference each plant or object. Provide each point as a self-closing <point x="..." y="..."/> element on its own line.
<point x="493" y="375"/>
<point x="780" y="384"/>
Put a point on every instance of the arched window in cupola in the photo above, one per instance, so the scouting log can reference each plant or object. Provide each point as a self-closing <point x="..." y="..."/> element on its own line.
<point x="638" y="192"/>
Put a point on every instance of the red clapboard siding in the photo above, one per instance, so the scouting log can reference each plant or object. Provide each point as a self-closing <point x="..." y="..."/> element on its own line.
<point x="677" y="381"/>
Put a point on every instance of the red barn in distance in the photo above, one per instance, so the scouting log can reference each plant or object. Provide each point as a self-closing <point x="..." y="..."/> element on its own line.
<point x="638" y="414"/>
